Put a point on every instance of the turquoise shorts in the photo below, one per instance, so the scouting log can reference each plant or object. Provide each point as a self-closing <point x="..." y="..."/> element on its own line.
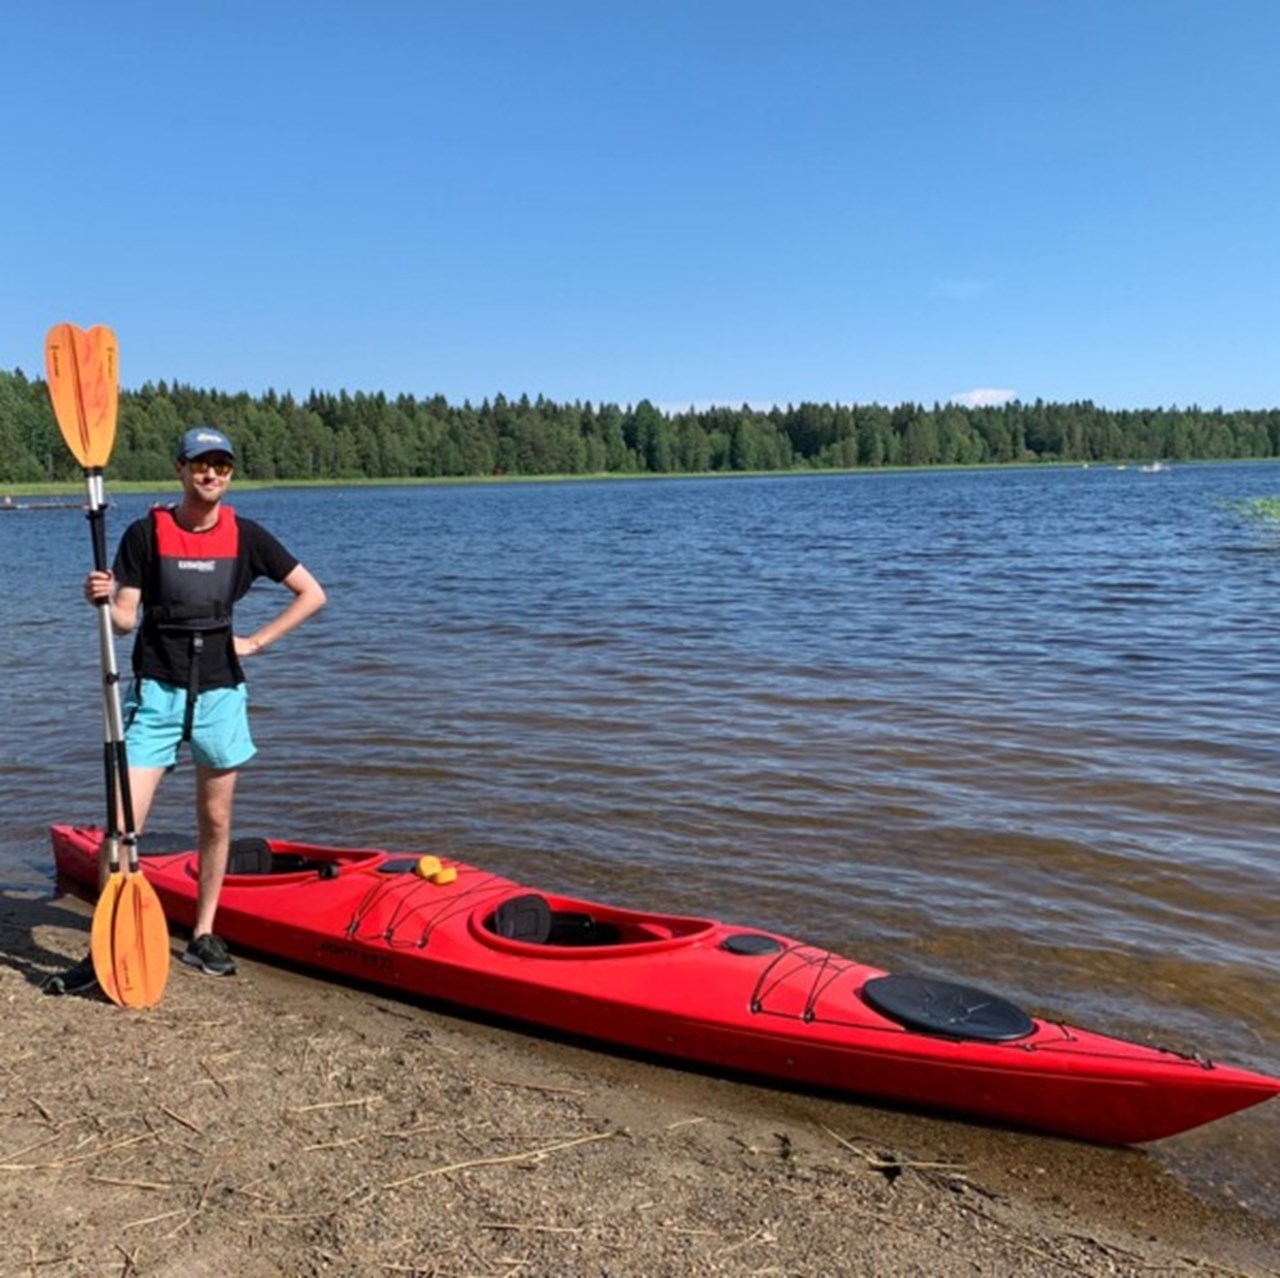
<point x="153" y="717"/>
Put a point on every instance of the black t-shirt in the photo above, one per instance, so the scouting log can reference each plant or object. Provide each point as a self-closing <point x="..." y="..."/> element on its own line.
<point x="165" y="655"/>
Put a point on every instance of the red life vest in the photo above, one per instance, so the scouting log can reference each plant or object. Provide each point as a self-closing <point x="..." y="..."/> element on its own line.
<point x="196" y="573"/>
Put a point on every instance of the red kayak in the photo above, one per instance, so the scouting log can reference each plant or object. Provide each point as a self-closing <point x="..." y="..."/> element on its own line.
<point x="690" y="989"/>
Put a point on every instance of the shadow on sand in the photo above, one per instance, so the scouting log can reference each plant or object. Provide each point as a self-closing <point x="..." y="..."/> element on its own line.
<point x="29" y="920"/>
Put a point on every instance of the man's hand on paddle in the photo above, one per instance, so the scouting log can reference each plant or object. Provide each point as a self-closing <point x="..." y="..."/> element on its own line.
<point x="100" y="588"/>
<point x="97" y="587"/>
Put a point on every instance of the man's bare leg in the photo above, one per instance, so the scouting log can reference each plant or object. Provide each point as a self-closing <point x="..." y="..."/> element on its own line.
<point x="215" y="799"/>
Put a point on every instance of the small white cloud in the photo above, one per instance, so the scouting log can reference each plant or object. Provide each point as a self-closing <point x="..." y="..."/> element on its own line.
<point x="959" y="290"/>
<point x="984" y="397"/>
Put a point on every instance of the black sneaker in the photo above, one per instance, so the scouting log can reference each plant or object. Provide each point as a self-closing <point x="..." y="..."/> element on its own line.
<point x="80" y="979"/>
<point x="209" y="954"/>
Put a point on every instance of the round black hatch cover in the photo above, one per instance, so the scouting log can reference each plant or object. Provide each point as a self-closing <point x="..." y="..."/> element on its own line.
<point x="750" y="943"/>
<point x="398" y="865"/>
<point x="953" y="1011"/>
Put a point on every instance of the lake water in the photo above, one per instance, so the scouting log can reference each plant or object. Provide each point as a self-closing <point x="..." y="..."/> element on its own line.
<point x="1017" y="728"/>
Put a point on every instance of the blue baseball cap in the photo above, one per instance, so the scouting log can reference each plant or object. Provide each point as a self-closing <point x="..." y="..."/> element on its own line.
<point x="204" y="439"/>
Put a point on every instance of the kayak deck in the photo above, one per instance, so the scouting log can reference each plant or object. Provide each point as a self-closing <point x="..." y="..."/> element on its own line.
<point x="689" y="988"/>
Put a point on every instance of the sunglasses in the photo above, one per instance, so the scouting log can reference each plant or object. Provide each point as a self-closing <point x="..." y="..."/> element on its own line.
<point x="222" y="469"/>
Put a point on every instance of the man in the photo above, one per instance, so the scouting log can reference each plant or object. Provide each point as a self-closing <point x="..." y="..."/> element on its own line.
<point x="185" y="566"/>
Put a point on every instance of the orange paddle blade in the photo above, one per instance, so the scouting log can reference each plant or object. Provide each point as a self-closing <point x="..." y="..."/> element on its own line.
<point x="130" y="942"/>
<point x="102" y="933"/>
<point x="83" y="371"/>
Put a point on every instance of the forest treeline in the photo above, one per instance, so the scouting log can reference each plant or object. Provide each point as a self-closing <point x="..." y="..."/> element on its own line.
<point x="374" y="436"/>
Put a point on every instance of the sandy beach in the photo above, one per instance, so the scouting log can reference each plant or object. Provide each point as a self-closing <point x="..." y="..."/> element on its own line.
<point x="275" y="1124"/>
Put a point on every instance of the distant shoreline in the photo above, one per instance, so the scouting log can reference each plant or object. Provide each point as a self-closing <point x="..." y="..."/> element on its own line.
<point x="71" y="487"/>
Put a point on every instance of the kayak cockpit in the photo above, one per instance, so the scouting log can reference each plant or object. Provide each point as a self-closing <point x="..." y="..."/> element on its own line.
<point x="556" y="926"/>
<point x="258" y="862"/>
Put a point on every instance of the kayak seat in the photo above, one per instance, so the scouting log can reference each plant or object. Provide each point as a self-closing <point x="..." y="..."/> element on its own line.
<point x="522" y="918"/>
<point x="947" y="1010"/>
<point x="249" y="856"/>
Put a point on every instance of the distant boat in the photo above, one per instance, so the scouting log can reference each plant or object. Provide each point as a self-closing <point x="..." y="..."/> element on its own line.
<point x="1155" y="467"/>
<point x="7" y="503"/>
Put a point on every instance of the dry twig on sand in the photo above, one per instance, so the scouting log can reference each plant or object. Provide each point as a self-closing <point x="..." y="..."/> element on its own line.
<point x="496" y="1161"/>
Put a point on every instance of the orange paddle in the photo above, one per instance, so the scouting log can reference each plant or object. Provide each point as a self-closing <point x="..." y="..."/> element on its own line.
<point x="129" y="940"/>
<point x="84" y="384"/>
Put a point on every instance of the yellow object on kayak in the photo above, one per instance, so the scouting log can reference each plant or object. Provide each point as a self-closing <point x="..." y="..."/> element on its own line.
<point x="428" y="867"/>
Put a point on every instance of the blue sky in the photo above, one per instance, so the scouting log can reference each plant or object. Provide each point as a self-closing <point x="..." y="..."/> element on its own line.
<point x="694" y="203"/>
